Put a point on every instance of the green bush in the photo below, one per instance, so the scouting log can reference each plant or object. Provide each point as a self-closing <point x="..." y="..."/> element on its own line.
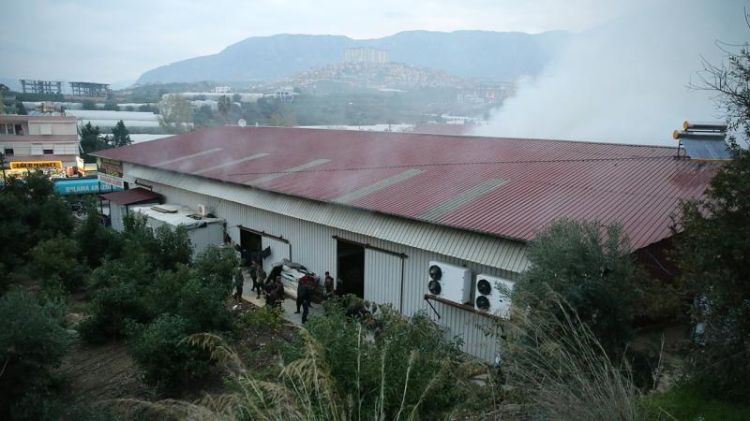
<point x="32" y="342"/>
<point x="32" y="212"/>
<point x="690" y="402"/>
<point x="262" y="321"/>
<point x="165" y="357"/>
<point x="217" y="265"/>
<point x="160" y="249"/>
<point x="95" y="241"/>
<point x="115" y="272"/>
<point x="589" y="265"/>
<point x="54" y="260"/>
<point x="399" y="346"/>
<point x="113" y="309"/>
<point x="171" y="247"/>
<point x="713" y="254"/>
<point x="203" y="306"/>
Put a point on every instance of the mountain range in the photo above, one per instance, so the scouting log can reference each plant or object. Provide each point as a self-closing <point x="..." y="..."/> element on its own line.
<point x="484" y="55"/>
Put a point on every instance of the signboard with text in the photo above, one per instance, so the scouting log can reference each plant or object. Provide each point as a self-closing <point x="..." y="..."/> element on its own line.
<point x="32" y="165"/>
<point x="110" y="167"/>
<point x="112" y="181"/>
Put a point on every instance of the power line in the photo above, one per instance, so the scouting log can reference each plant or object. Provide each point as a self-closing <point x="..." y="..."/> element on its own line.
<point x="446" y="164"/>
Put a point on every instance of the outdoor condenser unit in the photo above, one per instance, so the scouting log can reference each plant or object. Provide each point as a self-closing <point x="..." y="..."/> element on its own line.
<point x="493" y="295"/>
<point x="449" y="282"/>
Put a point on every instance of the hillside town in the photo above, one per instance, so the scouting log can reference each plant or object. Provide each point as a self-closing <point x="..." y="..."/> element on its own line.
<point x="362" y="233"/>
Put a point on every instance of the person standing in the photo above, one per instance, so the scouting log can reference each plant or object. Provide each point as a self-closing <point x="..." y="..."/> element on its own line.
<point x="254" y="274"/>
<point x="261" y="280"/>
<point x="275" y="292"/>
<point x="328" y="285"/>
<point x="239" y="282"/>
<point x="300" y="287"/>
<point x="304" y="295"/>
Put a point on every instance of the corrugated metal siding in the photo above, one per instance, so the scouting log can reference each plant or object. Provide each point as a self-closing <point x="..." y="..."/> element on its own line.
<point x="314" y="246"/>
<point x="383" y="278"/>
<point x="116" y="213"/>
<point x="484" y="249"/>
<point x="279" y="251"/>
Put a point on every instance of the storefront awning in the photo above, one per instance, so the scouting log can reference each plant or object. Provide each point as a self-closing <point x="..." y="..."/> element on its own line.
<point x="132" y="197"/>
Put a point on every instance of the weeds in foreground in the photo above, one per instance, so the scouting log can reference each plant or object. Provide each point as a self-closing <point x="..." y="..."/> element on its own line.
<point x="306" y="388"/>
<point x="564" y="371"/>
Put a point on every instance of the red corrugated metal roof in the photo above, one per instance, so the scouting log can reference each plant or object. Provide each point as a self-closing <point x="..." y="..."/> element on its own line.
<point x="132" y="196"/>
<point x="538" y="180"/>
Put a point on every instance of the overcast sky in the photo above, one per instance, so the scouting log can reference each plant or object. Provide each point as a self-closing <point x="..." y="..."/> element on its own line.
<point x="115" y="41"/>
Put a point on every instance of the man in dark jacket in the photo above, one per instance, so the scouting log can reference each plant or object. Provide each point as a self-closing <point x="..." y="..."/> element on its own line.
<point x="275" y="292"/>
<point x="254" y="274"/>
<point x="305" y="288"/>
<point x="260" y="280"/>
<point x="328" y="285"/>
<point x="239" y="282"/>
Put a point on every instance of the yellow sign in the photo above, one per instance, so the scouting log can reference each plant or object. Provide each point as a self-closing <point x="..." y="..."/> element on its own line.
<point x="35" y="164"/>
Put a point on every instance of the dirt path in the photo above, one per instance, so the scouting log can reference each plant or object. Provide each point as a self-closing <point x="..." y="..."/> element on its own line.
<point x="103" y="372"/>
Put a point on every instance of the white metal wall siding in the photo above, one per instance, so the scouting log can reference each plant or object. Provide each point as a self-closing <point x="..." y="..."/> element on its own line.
<point x="382" y="278"/>
<point x="116" y="212"/>
<point x="313" y="245"/>
<point x="480" y="248"/>
<point x="279" y="251"/>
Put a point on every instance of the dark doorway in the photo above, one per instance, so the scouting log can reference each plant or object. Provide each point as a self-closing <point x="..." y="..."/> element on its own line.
<point x="351" y="268"/>
<point x="250" y="246"/>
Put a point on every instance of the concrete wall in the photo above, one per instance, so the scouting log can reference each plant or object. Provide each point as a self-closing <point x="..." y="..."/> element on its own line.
<point x="56" y="128"/>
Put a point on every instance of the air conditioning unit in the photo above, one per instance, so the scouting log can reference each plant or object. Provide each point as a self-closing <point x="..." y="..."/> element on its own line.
<point x="493" y="295"/>
<point x="449" y="282"/>
<point x="203" y="210"/>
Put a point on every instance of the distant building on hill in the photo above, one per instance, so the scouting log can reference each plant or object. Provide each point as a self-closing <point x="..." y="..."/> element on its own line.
<point x="365" y="55"/>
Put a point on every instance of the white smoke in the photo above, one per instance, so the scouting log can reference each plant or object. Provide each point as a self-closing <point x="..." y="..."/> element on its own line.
<point x="627" y="81"/>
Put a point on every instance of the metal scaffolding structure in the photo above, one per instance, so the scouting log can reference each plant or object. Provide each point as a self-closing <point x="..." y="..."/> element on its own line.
<point x="41" y="86"/>
<point x="89" y="89"/>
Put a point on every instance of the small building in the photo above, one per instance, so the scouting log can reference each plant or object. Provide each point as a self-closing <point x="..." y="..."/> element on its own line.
<point x="119" y="203"/>
<point x="424" y="223"/>
<point x="203" y="230"/>
<point x="365" y="55"/>
<point x="45" y="142"/>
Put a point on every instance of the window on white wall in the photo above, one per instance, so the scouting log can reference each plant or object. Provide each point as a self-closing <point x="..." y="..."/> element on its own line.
<point x="7" y="129"/>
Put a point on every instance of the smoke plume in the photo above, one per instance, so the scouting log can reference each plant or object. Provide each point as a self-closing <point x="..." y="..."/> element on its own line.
<point x="627" y="81"/>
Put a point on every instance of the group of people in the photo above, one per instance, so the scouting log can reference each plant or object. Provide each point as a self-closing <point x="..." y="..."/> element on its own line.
<point x="273" y="288"/>
<point x="270" y="285"/>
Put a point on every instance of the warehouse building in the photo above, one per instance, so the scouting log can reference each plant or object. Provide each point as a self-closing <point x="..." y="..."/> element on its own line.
<point x="420" y="222"/>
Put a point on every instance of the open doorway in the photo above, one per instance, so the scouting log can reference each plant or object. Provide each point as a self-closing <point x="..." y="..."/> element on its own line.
<point x="351" y="268"/>
<point x="250" y="246"/>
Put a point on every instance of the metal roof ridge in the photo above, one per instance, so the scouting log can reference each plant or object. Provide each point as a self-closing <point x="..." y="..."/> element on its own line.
<point x="458" y="137"/>
<point x="345" y="205"/>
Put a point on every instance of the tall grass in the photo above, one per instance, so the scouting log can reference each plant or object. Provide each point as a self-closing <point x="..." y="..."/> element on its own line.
<point x="561" y="367"/>
<point x="305" y="390"/>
